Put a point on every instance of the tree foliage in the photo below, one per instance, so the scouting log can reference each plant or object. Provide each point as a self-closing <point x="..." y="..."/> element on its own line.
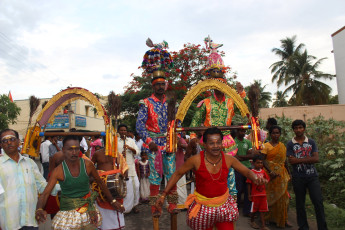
<point x="298" y="71"/>
<point x="280" y="100"/>
<point x="265" y="96"/>
<point x="189" y="68"/>
<point x="9" y="112"/>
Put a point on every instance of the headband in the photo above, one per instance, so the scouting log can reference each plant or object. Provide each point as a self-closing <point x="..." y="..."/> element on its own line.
<point x="158" y="80"/>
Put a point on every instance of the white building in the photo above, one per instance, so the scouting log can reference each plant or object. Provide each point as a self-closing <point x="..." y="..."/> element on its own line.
<point x="339" y="56"/>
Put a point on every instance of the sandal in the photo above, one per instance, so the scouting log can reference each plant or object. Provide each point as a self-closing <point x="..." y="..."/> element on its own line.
<point x="254" y="225"/>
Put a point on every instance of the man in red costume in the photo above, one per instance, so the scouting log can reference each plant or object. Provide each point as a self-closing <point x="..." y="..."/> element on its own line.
<point x="211" y="204"/>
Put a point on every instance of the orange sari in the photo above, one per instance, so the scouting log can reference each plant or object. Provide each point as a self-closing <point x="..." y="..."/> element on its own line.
<point x="276" y="189"/>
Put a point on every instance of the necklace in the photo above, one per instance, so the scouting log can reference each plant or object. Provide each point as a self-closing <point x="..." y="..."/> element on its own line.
<point x="214" y="164"/>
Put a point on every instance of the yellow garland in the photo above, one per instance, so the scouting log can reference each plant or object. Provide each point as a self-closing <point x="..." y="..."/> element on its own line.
<point x="205" y="85"/>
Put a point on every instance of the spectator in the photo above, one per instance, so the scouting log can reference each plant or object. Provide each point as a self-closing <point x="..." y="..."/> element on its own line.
<point x="44" y="151"/>
<point x="244" y="154"/>
<point x="258" y="193"/>
<point x="95" y="143"/>
<point x="20" y="182"/>
<point x="276" y="189"/>
<point x="54" y="147"/>
<point x="143" y="174"/>
<point x="302" y="154"/>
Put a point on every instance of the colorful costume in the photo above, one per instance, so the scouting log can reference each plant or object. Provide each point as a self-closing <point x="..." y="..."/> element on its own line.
<point x="211" y="205"/>
<point x="258" y="193"/>
<point x="152" y="126"/>
<point x="276" y="190"/>
<point x="215" y="111"/>
<point x="219" y="112"/>
<point x="77" y="208"/>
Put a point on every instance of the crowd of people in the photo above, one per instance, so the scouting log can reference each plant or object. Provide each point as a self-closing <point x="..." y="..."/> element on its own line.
<point x="223" y="167"/>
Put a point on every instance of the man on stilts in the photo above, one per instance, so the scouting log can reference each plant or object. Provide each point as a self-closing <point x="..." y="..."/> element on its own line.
<point x="152" y="124"/>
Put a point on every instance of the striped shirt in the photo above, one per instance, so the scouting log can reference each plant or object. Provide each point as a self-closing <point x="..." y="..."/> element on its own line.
<point x="21" y="183"/>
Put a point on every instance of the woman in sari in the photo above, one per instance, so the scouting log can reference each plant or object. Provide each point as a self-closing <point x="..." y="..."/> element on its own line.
<point x="276" y="189"/>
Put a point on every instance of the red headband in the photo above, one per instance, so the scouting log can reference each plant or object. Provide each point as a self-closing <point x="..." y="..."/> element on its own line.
<point x="158" y="80"/>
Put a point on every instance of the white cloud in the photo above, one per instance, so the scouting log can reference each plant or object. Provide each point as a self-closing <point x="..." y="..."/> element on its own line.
<point x="46" y="46"/>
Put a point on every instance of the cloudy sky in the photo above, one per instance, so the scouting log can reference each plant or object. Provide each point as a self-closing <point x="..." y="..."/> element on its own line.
<point x="46" y="46"/>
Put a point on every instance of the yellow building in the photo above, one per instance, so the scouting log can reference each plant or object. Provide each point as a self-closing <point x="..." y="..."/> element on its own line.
<point x="79" y="114"/>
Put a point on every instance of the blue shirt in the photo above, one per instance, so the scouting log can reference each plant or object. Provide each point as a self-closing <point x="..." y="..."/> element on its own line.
<point x="293" y="148"/>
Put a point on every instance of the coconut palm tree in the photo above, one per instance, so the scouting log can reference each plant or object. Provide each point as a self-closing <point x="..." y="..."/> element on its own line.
<point x="280" y="100"/>
<point x="265" y="97"/>
<point x="282" y="69"/>
<point x="307" y="89"/>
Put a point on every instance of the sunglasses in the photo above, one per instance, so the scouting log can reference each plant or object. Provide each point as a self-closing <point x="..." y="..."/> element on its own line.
<point x="6" y="140"/>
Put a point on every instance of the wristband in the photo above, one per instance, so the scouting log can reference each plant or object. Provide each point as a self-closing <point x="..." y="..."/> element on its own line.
<point x="39" y="209"/>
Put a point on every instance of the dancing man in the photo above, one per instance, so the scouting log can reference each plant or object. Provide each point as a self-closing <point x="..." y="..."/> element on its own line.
<point x="77" y="209"/>
<point x="211" y="205"/>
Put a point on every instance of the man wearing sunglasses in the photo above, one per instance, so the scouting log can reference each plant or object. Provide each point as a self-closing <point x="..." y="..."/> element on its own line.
<point x="20" y="183"/>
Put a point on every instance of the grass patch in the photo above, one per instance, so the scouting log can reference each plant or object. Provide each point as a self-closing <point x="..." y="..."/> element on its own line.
<point x="335" y="217"/>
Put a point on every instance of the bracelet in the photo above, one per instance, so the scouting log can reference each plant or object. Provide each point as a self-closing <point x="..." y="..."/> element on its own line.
<point x="39" y="209"/>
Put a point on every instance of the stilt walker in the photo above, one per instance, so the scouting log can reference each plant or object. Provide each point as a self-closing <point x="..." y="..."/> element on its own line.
<point x="152" y="124"/>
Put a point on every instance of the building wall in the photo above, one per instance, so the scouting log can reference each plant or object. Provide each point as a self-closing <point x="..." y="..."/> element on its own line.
<point x="337" y="112"/>
<point x="339" y="58"/>
<point x="79" y="107"/>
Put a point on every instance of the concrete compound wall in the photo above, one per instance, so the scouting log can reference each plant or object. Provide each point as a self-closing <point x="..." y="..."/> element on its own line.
<point x="339" y="59"/>
<point x="337" y="112"/>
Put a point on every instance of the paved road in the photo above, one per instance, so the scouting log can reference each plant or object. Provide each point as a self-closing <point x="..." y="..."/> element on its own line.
<point x="143" y="221"/>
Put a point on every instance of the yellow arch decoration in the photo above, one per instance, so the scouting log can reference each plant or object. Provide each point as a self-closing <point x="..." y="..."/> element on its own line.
<point x="83" y="94"/>
<point x="205" y="85"/>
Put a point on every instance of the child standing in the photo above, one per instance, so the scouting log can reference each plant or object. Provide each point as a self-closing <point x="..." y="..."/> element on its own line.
<point x="144" y="172"/>
<point x="258" y="193"/>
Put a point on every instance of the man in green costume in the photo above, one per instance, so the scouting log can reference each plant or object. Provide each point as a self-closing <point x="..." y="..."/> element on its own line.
<point x="77" y="209"/>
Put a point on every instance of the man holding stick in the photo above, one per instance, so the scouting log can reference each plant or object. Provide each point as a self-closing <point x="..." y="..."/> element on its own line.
<point x="211" y="204"/>
<point x="77" y="208"/>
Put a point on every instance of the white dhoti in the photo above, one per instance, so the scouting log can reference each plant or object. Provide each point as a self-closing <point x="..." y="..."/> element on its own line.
<point x="111" y="219"/>
<point x="132" y="198"/>
<point x="144" y="188"/>
<point x="182" y="190"/>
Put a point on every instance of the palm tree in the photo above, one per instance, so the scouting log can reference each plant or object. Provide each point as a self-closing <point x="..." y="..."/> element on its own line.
<point x="265" y="97"/>
<point x="281" y="69"/>
<point x="307" y="89"/>
<point x="280" y="100"/>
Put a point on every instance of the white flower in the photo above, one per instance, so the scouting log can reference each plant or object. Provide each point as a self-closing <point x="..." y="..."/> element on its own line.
<point x="341" y="152"/>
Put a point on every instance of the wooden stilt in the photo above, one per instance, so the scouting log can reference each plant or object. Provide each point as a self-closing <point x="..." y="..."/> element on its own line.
<point x="173" y="221"/>
<point x="155" y="223"/>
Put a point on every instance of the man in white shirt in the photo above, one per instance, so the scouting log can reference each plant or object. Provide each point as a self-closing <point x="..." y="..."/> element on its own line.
<point x="20" y="183"/>
<point x="129" y="150"/>
<point x="139" y="142"/>
<point x="44" y="150"/>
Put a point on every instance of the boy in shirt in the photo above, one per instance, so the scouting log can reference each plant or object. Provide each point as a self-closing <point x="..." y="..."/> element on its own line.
<point x="258" y="193"/>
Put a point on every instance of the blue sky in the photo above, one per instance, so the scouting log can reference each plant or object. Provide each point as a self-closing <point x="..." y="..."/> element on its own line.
<point x="46" y="46"/>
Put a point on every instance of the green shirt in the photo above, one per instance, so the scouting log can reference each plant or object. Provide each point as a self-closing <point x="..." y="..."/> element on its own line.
<point x="243" y="146"/>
